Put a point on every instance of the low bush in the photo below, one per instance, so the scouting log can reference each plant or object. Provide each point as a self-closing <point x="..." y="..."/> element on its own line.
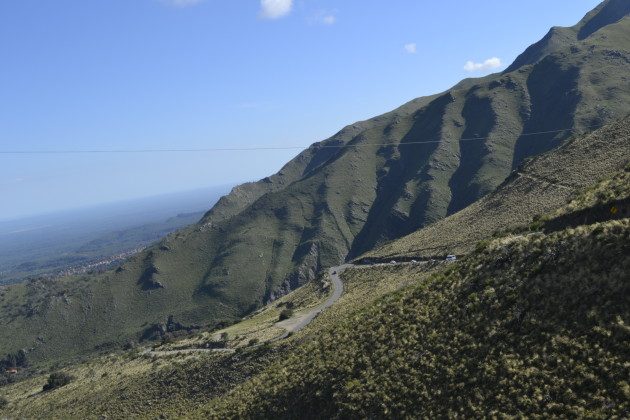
<point x="57" y="380"/>
<point x="285" y="314"/>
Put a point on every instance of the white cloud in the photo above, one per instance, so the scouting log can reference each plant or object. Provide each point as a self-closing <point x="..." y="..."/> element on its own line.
<point x="182" y="3"/>
<point x="411" y="48"/>
<point x="274" y="9"/>
<point x="489" y="64"/>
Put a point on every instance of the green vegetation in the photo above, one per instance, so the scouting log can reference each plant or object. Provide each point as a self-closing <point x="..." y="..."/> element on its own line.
<point x="285" y="314"/>
<point x="530" y="325"/>
<point x="12" y="360"/>
<point x="131" y="385"/>
<point x="609" y="190"/>
<point x="57" y="380"/>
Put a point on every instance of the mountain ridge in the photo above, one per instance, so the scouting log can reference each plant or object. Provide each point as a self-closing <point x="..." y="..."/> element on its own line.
<point x="536" y="187"/>
<point x="328" y="204"/>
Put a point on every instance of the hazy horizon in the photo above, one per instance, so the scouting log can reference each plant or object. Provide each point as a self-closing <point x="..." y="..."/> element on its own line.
<point x="123" y="202"/>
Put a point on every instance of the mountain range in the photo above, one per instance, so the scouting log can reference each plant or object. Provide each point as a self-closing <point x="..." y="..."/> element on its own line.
<point x="423" y="165"/>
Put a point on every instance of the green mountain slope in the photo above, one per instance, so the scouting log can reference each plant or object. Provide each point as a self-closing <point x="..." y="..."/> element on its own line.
<point x="528" y="325"/>
<point x="537" y="187"/>
<point x="372" y="182"/>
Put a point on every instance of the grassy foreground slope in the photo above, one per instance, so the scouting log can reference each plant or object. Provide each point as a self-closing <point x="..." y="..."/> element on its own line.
<point x="535" y="325"/>
<point x="536" y="188"/>
<point x="137" y="384"/>
<point x="373" y="181"/>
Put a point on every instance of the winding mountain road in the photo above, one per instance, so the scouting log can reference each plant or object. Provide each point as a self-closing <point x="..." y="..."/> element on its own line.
<point x="291" y="325"/>
<point x="296" y="323"/>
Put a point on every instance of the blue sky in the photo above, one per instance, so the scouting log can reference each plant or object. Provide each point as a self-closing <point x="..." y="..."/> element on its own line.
<point x="130" y="74"/>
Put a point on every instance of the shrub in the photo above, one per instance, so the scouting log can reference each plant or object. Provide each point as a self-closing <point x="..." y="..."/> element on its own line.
<point x="57" y="380"/>
<point x="286" y="314"/>
<point x="3" y="402"/>
<point x="253" y="342"/>
<point x="129" y="345"/>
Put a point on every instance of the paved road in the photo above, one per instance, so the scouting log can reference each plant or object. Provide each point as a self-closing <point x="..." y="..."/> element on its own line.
<point x="304" y="320"/>
<point x="291" y="326"/>
<point x="185" y="351"/>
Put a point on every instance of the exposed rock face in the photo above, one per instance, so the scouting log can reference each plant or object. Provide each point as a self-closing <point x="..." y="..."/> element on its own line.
<point x="172" y="328"/>
<point x="307" y="271"/>
<point x="148" y="280"/>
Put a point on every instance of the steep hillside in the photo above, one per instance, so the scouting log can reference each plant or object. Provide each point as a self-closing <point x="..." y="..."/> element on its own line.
<point x="533" y="325"/>
<point x="374" y="181"/>
<point x="537" y="187"/>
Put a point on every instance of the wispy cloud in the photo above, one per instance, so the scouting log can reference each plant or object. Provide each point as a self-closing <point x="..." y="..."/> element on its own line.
<point x="411" y="48"/>
<point x="324" y="17"/>
<point x="274" y="9"/>
<point x="182" y="3"/>
<point x="329" y="20"/>
<point x="489" y="64"/>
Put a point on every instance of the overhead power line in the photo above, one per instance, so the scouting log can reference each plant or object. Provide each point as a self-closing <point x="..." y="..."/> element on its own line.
<point x="256" y="148"/>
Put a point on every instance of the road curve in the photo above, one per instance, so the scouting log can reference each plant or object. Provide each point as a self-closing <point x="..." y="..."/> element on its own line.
<point x="334" y="274"/>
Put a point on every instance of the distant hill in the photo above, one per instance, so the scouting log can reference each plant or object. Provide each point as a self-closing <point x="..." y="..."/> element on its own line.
<point x="373" y="182"/>
<point x="51" y="244"/>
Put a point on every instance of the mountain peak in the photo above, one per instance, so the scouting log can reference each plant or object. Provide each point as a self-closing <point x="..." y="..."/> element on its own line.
<point x="608" y="12"/>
